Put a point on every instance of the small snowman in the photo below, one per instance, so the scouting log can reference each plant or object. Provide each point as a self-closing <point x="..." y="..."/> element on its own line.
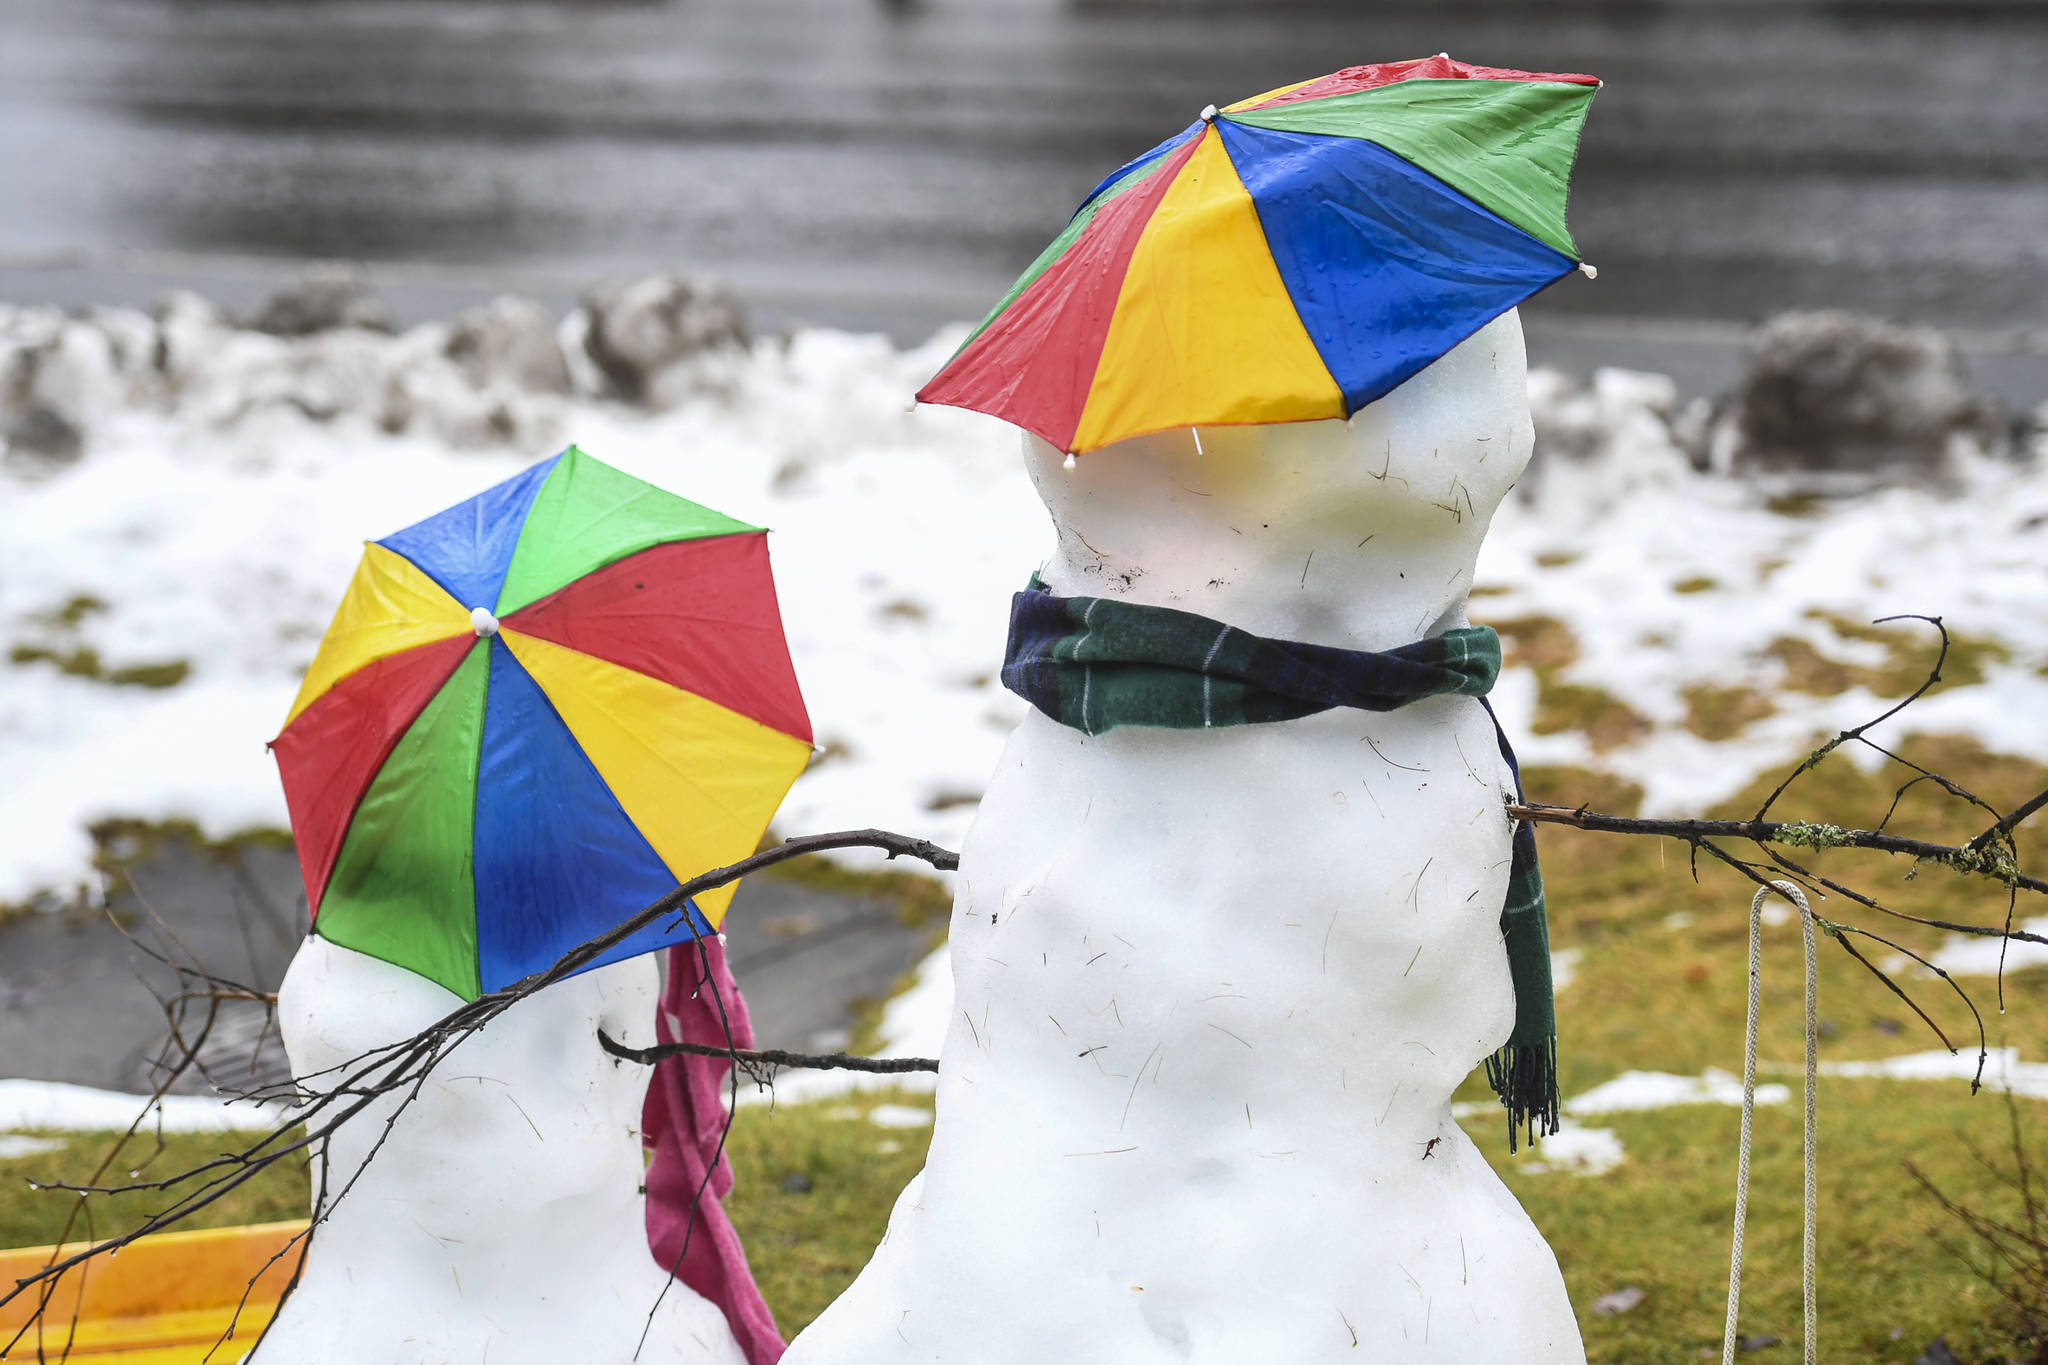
<point x="501" y="1219"/>
<point x="1230" y="929"/>
<point x="535" y="714"/>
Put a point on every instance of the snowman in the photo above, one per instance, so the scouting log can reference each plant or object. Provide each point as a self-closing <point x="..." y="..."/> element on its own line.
<point x="1243" y="904"/>
<point x="501" y="1219"/>
<point x="1215" y="987"/>
<point x="535" y="713"/>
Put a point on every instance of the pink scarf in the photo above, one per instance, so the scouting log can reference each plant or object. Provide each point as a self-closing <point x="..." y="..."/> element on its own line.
<point x="682" y="1120"/>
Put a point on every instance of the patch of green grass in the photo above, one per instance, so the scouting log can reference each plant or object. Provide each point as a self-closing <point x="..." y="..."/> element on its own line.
<point x="1915" y="645"/>
<point x="1559" y="785"/>
<point x="806" y="1245"/>
<point x="37" y="1217"/>
<point x="1911" y="649"/>
<point x="1660" y="1222"/>
<point x="1648" y="996"/>
<point x="168" y="674"/>
<point x="74" y="611"/>
<point x="1542" y="643"/>
<point x="1605" y="719"/>
<point x="1547" y="647"/>
<point x="1693" y="585"/>
<point x="1797" y="504"/>
<point x="83" y="661"/>
<point x="1718" y="713"/>
<point x="1654" y="992"/>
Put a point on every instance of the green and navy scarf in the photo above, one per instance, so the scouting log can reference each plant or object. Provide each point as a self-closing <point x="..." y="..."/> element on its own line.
<point x="1094" y="663"/>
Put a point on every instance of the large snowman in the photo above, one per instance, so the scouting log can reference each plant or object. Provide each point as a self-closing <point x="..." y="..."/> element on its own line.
<point x="1215" y="987"/>
<point x="501" y="1221"/>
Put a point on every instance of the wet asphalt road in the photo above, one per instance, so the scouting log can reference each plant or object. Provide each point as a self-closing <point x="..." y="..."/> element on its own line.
<point x="891" y="164"/>
<point x="79" y="997"/>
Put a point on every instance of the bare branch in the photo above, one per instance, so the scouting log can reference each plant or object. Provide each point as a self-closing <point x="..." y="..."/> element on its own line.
<point x="769" y="1057"/>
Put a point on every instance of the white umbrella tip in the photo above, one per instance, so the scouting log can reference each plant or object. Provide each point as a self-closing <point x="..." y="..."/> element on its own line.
<point x="1208" y="113"/>
<point x="1589" y="270"/>
<point x="485" y="623"/>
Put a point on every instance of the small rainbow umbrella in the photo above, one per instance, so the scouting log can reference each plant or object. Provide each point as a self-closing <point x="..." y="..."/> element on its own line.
<point x="1289" y="258"/>
<point x="534" y="714"/>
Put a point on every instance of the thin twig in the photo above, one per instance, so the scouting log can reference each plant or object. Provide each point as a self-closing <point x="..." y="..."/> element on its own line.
<point x="770" y="1056"/>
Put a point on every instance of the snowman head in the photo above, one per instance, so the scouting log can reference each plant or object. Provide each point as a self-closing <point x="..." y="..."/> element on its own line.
<point x="531" y="1103"/>
<point x="1403" y="491"/>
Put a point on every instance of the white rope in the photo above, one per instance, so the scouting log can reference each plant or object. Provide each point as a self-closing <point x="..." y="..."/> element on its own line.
<point x="1809" y="1306"/>
<point x="1810" y="1311"/>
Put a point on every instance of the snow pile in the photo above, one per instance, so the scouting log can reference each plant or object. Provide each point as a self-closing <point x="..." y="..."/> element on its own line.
<point x="53" y="1105"/>
<point x="1837" y="391"/>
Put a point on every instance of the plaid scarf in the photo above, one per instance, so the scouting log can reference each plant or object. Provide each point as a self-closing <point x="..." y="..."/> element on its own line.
<point x="1094" y="663"/>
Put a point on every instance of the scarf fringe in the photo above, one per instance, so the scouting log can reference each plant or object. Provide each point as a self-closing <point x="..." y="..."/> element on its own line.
<point x="1525" y="1078"/>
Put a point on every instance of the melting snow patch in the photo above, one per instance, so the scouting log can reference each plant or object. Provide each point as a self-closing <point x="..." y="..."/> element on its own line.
<point x="2003" y="1071"/>
<point x="1634" y="1090"/>
<point x="16" y="1145"/>
<point x="79" y="1108"/>
<point x="899" y="1116"/>
<point x="1563" y="963"/>
<point x="1576" y="1149"/>
<point x="1968" y="955"/>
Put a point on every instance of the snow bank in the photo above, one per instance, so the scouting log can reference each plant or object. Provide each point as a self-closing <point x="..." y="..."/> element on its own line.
<point x="28" y="1105"/>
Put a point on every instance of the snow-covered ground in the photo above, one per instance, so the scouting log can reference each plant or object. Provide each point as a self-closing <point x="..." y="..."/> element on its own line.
<point x="226" y="480"/>
<point x="31" y="1105"/>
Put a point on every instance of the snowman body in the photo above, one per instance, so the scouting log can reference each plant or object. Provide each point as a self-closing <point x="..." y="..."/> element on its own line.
<point x="501" y="1221"/>
<point x="1214" y="988"/>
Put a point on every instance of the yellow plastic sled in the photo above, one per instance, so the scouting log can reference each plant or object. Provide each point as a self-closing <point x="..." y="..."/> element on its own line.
<point x="165" y="1300"/>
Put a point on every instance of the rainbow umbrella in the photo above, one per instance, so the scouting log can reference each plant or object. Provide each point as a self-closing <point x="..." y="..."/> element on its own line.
<point x="534" y="714"/>
<point x="1289" y="258"/>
